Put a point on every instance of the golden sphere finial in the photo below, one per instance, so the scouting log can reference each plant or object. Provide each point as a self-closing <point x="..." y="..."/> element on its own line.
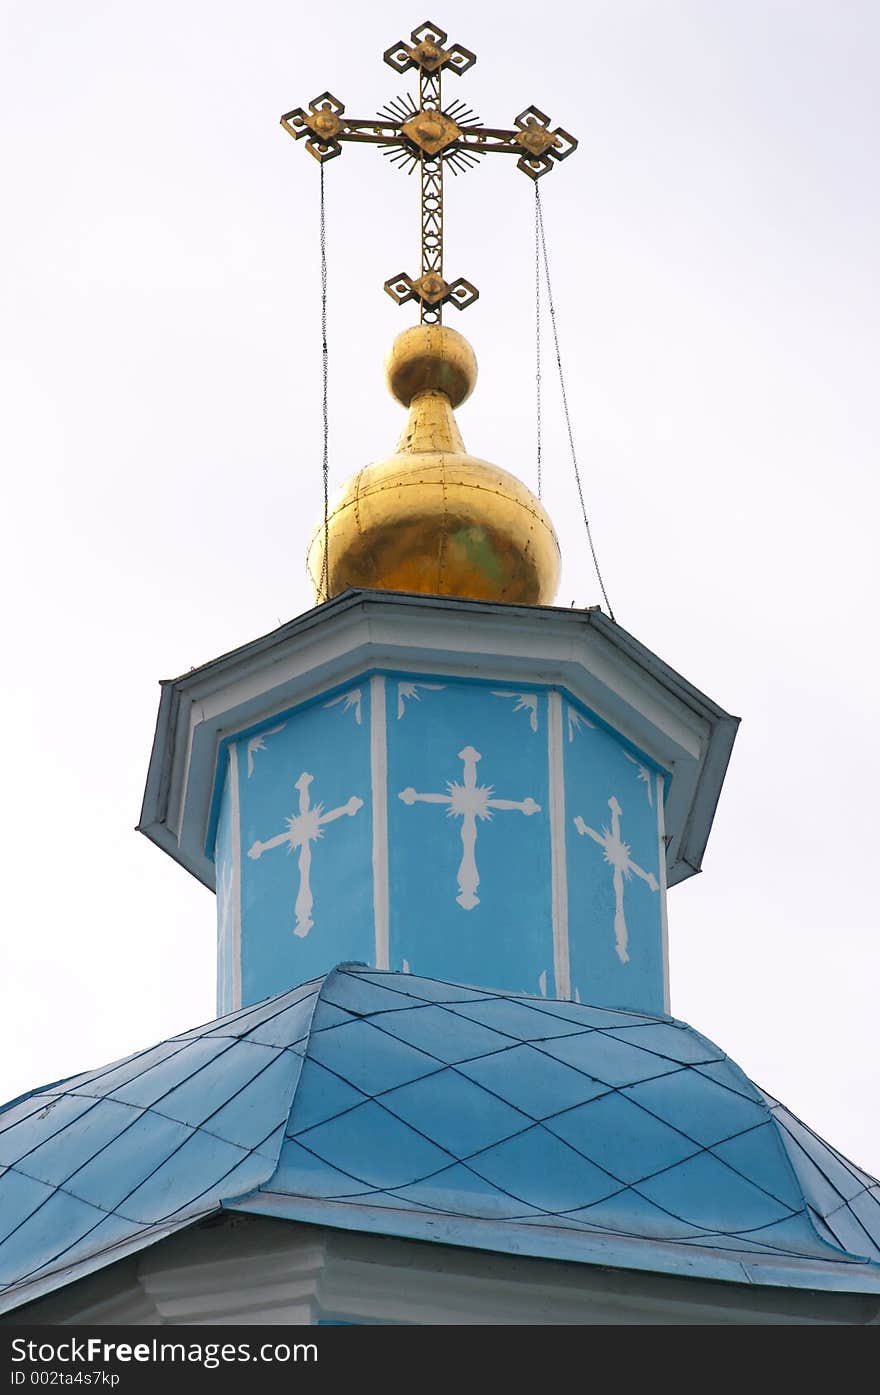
<point x="431" y="518"/>
<point x="431" y="358"/>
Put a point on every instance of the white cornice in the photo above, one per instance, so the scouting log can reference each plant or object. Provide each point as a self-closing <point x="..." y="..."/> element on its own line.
<point x="255" y="1270"/>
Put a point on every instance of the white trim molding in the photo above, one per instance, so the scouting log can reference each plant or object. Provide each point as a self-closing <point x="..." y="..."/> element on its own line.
<point x="379" y="777"/>
<point x="558" y="869"/>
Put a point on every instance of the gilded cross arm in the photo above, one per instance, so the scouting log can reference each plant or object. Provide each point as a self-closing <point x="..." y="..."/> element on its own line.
<point x="430" y="136"/>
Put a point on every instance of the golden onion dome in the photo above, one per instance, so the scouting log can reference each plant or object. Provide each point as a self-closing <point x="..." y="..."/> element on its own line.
<point x="432" y="518"/>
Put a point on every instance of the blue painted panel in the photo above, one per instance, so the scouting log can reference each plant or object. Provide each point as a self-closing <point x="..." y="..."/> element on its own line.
<point x="458" y="1190"/>
<point x="632" y="1214"/>
<point x="283" y="1028"/>
<point x="612" y="852"/>
<point x="429" y="1028"/>
<point x="259" y="1021"/>
<point x="60" y="1221"/>
<point x="169" y="1187"/>
<point x="195" y="1100"/>
<point x="114" y="1173"/>
<point x="611" y="1061"/>
<point x="303" y="1173"/>
<point x="758" y="1154"/>
<point x="537" y="1168"/>
<point x="384" y="1061"/>
<point x="670" y="1039"/>
<point x="120" y="1074"/>
<point x="252" y="1115"/>
<point x="321" y="1095"/>
<point x="470" y="878"/>
<point x="705" y="1192"/>
<point x="104" y="1234"/>
<point x="306" y="838"/>
<point x="51" y="1114"/>
<point x="147" y="1083"/>
<point x="22" y="1196"/>
<point x="533" y="1081"/>
<point x="373" y="1147"/>
<point x="459" y="1116"/>
<point x="413" y="989"/>
<point x="696" y="1107"/>
<point x="520" y="1021"/>
<point x="77" y="1142"/>
<point x="622" y="1138"/>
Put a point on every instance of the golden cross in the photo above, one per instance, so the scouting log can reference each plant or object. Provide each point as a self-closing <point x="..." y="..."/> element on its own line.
<point x="430" y="136"/>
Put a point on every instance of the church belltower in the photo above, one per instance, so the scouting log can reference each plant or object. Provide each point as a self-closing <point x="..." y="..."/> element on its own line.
<point x="436" y="771"/>
<point x="441" y="818"/>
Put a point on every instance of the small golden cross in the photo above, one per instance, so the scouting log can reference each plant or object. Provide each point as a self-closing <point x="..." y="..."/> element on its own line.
<point x="430" y="136"/>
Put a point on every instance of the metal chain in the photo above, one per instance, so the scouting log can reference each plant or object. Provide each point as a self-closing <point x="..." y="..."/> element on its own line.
<point x="539" y="218"/>
<point x="538" y="333"/>
<point x="325" y="462"/>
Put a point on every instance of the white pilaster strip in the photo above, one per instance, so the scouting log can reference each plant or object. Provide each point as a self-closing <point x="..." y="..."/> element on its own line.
<point x="235" y="888"/>
<point x="558" y="871"/>
<point x="224" y="953"/>
<point x="664" y="924"/>
<point x="379" y="774"/>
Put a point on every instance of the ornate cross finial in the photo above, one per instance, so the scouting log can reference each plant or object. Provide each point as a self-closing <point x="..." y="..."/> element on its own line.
<point x="430" y="136"/>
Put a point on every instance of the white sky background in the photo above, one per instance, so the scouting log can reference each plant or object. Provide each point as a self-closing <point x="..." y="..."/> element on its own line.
<point x="714" y="248"/>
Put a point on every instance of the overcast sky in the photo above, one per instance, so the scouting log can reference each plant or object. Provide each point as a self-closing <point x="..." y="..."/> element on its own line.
<point x="714" y="248"/>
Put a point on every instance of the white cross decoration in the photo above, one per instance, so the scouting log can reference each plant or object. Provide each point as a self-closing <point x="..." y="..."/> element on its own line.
<point x="643" y="774"/>
<point x="469" y="801"/>
<point x="523" y="702"/>
<point x="349" y="701"/>
<point x="258" y="743"/>
<point x="302" y="830"/>
<point x="411" y="690"/>
<point x="617" y="854"/>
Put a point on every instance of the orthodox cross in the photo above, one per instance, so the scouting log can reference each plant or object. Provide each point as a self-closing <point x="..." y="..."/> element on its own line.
<point x="469" y="802"/>
<point x="428" y="137"/>
<point x="302" y="830"/>
<point x="617" y="854"/>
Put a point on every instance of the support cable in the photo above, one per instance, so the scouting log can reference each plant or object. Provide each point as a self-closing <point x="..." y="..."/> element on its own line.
<point x="542" y="244"/>
<point x="325" y="461"/>
<point x="538" y="424"/>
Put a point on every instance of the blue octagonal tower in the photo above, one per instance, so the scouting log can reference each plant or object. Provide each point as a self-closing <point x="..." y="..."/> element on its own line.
<point x="485" y="793"/>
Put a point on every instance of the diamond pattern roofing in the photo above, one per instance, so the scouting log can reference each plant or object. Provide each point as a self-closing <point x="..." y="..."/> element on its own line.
<point x="405" y="1106"/>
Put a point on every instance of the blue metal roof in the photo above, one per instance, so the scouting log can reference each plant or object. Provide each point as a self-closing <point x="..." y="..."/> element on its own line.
<point x="405" y="1106"/>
